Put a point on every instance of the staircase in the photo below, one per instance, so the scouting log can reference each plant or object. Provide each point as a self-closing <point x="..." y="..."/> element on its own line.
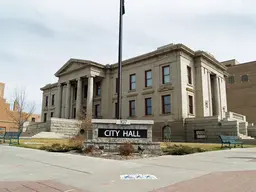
<point x="241" y="136"/>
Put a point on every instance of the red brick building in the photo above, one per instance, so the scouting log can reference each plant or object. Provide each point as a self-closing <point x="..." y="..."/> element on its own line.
<point x="241" y="88"/>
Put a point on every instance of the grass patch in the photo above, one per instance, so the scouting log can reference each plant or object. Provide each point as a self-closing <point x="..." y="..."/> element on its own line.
<point x="190" y="148"/>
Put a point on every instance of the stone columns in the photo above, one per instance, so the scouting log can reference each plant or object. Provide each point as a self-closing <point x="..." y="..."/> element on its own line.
<point x="78" y="97"/>
<point x="58" y="103"/>
<point x="217" y="95"/>
<point x="68" y="102"/>
<point x="89" y="97"/>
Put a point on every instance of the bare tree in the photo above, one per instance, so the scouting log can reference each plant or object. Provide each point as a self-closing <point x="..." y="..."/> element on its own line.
<point x="22" y="109"/>
<point x="85" y="123"/>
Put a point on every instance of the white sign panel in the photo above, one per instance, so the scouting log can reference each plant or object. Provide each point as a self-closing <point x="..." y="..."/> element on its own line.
<point x="138" y="177"/>
<point x="123" y="122"/>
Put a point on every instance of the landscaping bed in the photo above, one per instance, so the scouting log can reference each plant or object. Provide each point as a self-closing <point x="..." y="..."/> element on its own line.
<point x="125" y="152"/>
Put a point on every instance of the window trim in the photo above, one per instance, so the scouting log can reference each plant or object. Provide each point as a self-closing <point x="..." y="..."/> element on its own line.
<point x="146" y="78"/>
<point x="163" y="75"/>
<point x="134" y="74"/>
<point x="130" y="108"/>
<point x="189" y="75"/>
<point x="146" y="106"/>
<point x="163" y="105"/>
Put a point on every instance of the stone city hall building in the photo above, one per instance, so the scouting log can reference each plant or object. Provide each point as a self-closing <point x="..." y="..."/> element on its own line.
<point x="169" y="85"/>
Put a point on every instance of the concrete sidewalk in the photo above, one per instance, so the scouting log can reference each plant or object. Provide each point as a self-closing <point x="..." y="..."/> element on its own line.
<point x="74" y="172"/>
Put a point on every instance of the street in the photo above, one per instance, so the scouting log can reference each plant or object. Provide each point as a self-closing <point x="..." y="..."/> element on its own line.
<point x="28" y="168"/>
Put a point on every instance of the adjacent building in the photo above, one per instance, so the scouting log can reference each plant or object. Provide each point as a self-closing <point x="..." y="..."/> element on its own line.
<point x="6" y="113"/>
<point x="167" y="85"/>
<point x="241" y="88"/>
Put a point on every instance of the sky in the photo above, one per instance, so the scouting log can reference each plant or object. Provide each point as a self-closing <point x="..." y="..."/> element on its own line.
<point x="38" y="37"/>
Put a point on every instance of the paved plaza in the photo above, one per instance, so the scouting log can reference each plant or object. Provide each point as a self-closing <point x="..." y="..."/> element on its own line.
<point x="39" y="171"/>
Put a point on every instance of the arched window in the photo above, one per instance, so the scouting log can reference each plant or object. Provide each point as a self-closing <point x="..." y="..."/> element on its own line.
<point x="244" y="78"/>
<point x="166" y="133"/>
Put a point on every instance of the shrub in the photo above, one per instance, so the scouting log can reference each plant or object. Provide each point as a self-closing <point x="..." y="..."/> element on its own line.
<point x="182" y="150"/>
<point x="90" y="149"/>
<point x="77" y="143"/>
<point x="126" y="149"/>
<point x="56" y="147"/>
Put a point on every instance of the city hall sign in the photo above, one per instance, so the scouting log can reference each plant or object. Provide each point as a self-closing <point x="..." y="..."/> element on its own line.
<point x="123" y="133"/>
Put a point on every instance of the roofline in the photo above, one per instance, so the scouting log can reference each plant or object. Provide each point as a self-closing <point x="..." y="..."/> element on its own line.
<point x="241" y="64"/>
<point x="176" y="47"/>
<point x="49" y="86"/>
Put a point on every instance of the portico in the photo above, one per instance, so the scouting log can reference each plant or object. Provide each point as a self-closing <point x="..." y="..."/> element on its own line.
<point x="77" y="85"/>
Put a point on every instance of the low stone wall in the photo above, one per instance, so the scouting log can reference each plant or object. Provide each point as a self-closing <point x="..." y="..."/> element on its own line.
<point x="114" y="146"/>
<point x="252" y="130"/>
<point x="208" y="129"/>
<point x="243" y="128"/>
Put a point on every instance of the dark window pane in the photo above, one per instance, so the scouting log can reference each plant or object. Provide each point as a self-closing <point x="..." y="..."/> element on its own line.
<point x="85" y="91"/>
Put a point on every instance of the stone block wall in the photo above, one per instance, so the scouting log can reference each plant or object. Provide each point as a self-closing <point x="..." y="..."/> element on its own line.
<point x="68" y="127"/>
<point x="252" y="130"/>
<point x="210" y="128"/>
<point x="177" y="130"/>
<point x="243" y="128"/>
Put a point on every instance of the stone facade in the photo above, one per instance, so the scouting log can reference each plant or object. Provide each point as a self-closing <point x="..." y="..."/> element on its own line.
<point x="167" y="85"/>
<point x="210" y="128"/>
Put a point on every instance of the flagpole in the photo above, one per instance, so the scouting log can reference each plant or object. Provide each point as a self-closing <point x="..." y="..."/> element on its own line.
<point x="119" y="90"/>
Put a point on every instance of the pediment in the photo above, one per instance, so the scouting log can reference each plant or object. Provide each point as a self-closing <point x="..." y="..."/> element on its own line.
<point x="69" y="67"/>
<point x="72" y="67"/>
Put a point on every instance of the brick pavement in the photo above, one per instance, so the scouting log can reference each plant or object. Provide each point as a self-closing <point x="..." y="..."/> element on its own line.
<point x="236" y="181"/>
<point x="36" y="186"/>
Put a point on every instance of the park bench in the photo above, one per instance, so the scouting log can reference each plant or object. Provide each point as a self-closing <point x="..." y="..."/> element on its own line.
<point x="230" y="140"/>
<point x="2" y="133"/>
<point x="11" y="136"/>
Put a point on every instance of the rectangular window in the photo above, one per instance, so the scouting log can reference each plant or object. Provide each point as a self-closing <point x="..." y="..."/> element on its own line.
<point x="148" y="78"/>
<point x="74" y="113"/>
<point x="117" y="85"/>
<point x="116" y="110"/>
<point x="46" y="101"/>
<point x="97" y="110"/>
<point x="166" y="74"/>
<point x="231" y="79"/>
<point x="85" y="91"/>
<point x="132" y="82"/>
<point x="53" y="100"/>
<point x="189" y="75"/>
<point x="166" y="104"/>
<point x="75" y="93"/>
<point x="52" y="113"/>
<point x="132" y="108"/>
<point x="45" y="117"/>
<point x="148" y="106"/>
<point x="191" y="107"/>
<point x="98" y="88"/>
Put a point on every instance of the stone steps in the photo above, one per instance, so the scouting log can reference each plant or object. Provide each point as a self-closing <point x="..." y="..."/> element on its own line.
<point x="241" y="136"/>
